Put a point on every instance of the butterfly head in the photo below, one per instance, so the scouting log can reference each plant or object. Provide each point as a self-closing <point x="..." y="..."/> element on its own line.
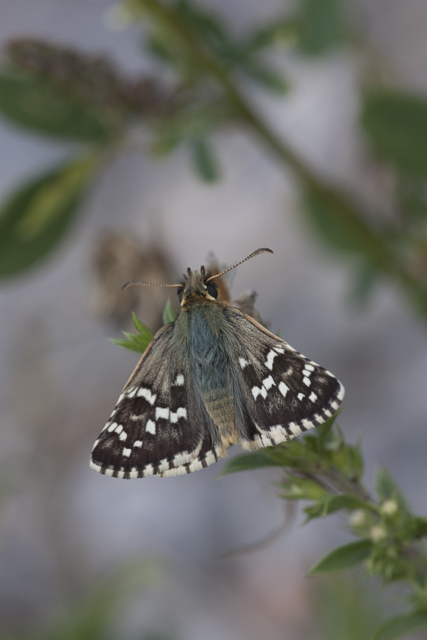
<point x="197" y="288"/>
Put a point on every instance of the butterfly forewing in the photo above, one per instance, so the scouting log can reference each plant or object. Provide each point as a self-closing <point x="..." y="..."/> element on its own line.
<point x="283" y="392"/>
<point x="157" y="426"/>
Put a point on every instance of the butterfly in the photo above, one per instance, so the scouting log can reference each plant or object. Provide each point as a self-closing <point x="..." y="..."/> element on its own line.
<point x="212" y="378"/>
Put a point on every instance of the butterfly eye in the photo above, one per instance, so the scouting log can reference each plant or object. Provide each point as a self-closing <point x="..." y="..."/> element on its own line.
<point x="212" y="290"/>
<point x="180" y="291"/>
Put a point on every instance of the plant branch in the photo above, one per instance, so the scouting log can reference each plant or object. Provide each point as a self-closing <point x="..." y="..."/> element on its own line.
<point x="341" y="208"/>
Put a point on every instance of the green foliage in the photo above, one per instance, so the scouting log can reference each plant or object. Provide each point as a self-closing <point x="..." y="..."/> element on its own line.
<point x="169" y="314"/>
<point x="345" y="609"/>
<point x="31" y="103"/>
<point x="91" y="618"/>
<point x="343" y="557"/>
<point x="37" y="216"/>
<point x="401" y="625"/>
<point x="396" y="124"/>
<point x="326" y="472"/>
<point x="204" y="161"/>
<point x="135" y="341"/>
<point x="320" y="25"/>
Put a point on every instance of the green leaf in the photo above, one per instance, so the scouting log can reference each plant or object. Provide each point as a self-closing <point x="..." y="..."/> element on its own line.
<point x="32" y="104"/>
<point x="345" y="501"/>
<point x="324" y="431"/>
<point x="266" y="78"/>
<point x="132" y="345"/>
<point x="263" y="458"/>
<point x="169" y="314"/>
<point x="366" y="280"/>
<point x="135" y="341"/>
<point x="36" y="217"/>
<point x="334" y="229"/>
<point x="142" y="328"/>
<point x="397" y="127"/>
<point x="401" y="625"/>
<point x="320" y="25"/>
<point x="343" y="557"/>
<point x="302" y="489"/>
<point x="203" y="160"/>
<point x="387" y="488"/>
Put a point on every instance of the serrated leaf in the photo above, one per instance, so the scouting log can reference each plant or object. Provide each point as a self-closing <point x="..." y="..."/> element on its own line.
<point x="256" y="460"/>
<point x="401" y="625"/>
<point x="343" y="557"/>
<point x="203" y="160"/>
<point x="396" y="123"/>
<point x="33" y="104"/>
<point x="169" y="314"/>
<point x="36" y="217"/>
<point x="142" y="328"/>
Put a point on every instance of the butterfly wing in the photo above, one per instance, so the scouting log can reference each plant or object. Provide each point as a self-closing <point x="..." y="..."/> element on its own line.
<point x="279" y="393"/>
<point x="158" y="427"/>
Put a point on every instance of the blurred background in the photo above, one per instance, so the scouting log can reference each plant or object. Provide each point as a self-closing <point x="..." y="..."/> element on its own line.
<point x="127" y="154"/>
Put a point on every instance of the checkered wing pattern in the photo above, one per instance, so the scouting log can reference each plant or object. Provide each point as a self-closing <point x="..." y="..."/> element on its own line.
<point x="157" y="426"/>
<point x="281" y="392"/>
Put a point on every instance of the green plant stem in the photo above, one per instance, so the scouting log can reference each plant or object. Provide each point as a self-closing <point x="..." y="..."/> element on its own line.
<point x="342" y="209"/>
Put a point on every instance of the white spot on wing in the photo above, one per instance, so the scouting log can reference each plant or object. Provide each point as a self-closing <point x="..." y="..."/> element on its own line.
<point x="210" y="457"/>
<point x="306" y="381"/>
<point x="309" y="367"/>
<point x="270" y="358"/>
<point x="134" y="473"/>
<point x="109" y="472"/>
<point x="300" y="396"/>
<point x="294" y="428"/>
<point x="283" y="388"/>
<point x="268" y="383"/>
<point x="123" y="436"/>
<point x="164" y="465"/>
<point x="119" y="428"/>
<point x="196" y="465"/>
<point x="162" y="412"/>
<point x="126" y="452"/>
<point x="150" y="427"/>
<point x="256" y="391"/>
<point x="179" y="380"/>
<point x="138" y="443"/>
<point x="148" y="470"/>
<point x="312" y="396"/>
<point x="146" y="393"/>
<point x="243" y="363"/>
<point x="112" y="426"/>
<point x="181" y="412"/>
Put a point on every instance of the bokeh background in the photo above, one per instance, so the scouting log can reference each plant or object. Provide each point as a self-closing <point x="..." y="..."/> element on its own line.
<point x="159" y="545"/>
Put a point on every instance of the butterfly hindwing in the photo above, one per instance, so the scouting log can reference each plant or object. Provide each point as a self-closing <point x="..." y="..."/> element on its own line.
<point x="157" y="426"/>
<point x="282" y="393"/>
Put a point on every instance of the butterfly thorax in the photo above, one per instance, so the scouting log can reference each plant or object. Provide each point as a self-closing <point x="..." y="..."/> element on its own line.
<point x="203" y="326"/>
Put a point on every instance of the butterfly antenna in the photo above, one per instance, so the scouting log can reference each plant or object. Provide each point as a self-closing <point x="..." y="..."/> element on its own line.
<point x="148" y="284"/>
<point x="252" y="255"/>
